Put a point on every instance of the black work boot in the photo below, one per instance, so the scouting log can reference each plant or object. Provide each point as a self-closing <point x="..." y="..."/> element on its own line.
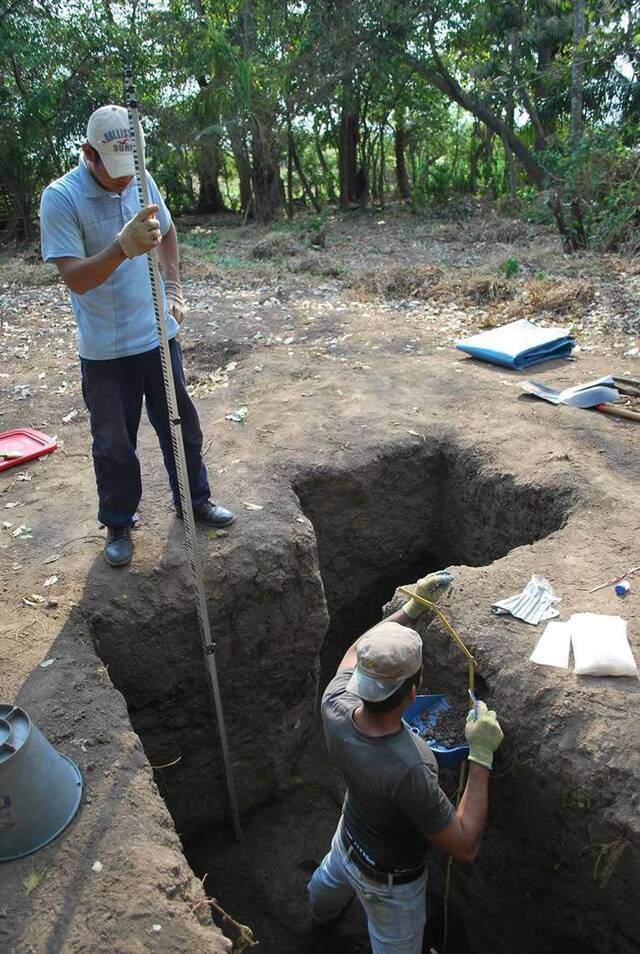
<point x="118" y="549"/>
<point x="212" y="515"/>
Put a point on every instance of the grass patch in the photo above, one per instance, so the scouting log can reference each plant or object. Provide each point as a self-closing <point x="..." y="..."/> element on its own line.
<point x="551" y="296"/>
<point x="201" y="240"/>
<point x="432" y="283"/>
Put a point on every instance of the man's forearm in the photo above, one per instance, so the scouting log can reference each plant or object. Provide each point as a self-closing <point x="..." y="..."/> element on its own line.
<point x="169" y="256"/>
<point x="474" y="806"/>
<point x="83" y="274"/>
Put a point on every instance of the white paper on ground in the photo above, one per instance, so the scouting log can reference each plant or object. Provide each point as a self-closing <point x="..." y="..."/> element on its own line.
<point x="533" y="605"/>
<point x="552" y="648"/>
<point x="600" y="645"/>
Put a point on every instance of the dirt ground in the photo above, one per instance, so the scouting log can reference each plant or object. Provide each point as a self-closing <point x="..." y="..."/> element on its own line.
<point x="244" y="312"/>
<point x="333" y="352"/>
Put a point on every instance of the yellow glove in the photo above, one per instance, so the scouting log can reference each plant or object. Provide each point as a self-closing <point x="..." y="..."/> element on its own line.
<point x="141" y="233"/>
<point x="175" y="301"/>
<point x="431" y="588"/>
<point x="484" y="735"/>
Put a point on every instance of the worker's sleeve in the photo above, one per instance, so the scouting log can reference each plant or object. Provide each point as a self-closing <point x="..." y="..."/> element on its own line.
<point x="336" y="700"/>
<point x="163" y="215"/>
<point x="420" y="798"/>
<point x="60" y="232"/>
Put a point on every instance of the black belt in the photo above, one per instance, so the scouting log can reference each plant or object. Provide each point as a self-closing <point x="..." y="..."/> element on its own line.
<point x="374" y="873"/>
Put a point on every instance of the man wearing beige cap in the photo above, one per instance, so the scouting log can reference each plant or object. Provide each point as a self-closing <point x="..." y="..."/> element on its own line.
<point x="94" y="230"/>
<point x="394" y="807"/>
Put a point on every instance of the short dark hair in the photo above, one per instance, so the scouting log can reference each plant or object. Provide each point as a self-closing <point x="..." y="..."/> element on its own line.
<point x="401" y="693"/>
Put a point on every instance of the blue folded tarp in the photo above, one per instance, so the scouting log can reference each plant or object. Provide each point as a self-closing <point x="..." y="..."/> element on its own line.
<point x="518" y="344"/>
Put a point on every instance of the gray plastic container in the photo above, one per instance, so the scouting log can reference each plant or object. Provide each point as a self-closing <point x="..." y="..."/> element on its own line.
<point x="40" y="790"/>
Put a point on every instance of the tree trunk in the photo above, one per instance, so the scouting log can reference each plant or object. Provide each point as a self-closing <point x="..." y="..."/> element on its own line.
<point x="381" y="180"/>
<point x="577" y="74"/>
<point x="474" y="152"/>
<point x="511" y="175"/>
<point x="243" y="165"/>
<point x="573" y="231"/>
<point x="539" y="134"/>
<point x="347" y="148"/>
<point x="400" y="145"/>
<point x="268" y="190"/>
<point x="306" y="186"/>
<point x="487" y="161"/>
<point x="210" y="197"/>
<point x="447" y="84"/>
<point x="289" y="172"/>
<point x="326" y="171"/>
<point x="544" y="83"/>
<point x="414" y="176"/>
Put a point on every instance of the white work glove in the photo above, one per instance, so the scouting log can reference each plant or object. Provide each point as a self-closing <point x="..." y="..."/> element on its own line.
<point x="141" y="233"/>
<point x="175" y="301"/>
<point x="431" y="588"/>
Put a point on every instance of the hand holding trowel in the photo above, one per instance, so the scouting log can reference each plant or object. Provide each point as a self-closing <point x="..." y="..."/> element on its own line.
<point x="595" y="394"/>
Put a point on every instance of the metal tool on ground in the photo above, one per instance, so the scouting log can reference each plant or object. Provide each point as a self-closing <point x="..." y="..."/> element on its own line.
<point x="628" y="386"/>
<point x="179" y="455"/>
<point x="585" y="397"/>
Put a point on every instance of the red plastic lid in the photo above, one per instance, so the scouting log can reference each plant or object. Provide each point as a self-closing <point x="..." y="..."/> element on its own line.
<point x="25" y="442"/>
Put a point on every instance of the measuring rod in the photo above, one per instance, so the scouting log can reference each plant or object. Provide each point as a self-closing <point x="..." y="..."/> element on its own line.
<point x="178" y="454"/>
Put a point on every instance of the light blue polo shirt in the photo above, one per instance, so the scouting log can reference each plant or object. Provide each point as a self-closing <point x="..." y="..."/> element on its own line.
<point x="79" y="218"/>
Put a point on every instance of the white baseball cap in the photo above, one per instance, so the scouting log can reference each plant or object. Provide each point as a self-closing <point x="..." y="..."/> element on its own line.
<point x="109" y="133"/>
<point x="385" y="656"/>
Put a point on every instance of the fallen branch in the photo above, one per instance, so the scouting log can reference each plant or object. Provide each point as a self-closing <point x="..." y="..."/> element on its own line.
<point x="615" y="579"/>
<point x="241" y="934"/>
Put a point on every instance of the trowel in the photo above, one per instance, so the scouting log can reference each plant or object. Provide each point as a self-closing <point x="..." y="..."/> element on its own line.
<point x="595" y="394"/>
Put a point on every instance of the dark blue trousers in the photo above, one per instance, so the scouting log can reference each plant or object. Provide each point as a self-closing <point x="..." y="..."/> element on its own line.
<point x="113" y="392"/>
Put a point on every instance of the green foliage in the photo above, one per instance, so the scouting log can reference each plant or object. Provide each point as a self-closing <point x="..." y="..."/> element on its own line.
<point x="603" y="174"/>
<point x="301" y="224"/>
<point x="510" y="267"/>
<point x="207" y="240"/>
<point x="225" y="89"/>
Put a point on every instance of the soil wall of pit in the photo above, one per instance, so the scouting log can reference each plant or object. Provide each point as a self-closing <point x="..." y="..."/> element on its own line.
<point x="559" y="857"/>
<point x="268" y="620"/>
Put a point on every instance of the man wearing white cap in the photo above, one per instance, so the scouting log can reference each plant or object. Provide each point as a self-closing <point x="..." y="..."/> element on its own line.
<point x="394" y="807"/>
<point x="94" y="230"/>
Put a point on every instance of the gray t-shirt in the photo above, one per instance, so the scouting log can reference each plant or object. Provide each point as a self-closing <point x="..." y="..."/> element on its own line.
<point x="393" y="796"/>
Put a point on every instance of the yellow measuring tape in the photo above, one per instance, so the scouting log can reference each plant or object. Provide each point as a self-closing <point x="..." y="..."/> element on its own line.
<point x="463" y="768"/>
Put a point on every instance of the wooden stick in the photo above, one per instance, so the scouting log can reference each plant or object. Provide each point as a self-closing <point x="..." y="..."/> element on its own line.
<point x="618" y="411"/>
<point x="616" y="579"/>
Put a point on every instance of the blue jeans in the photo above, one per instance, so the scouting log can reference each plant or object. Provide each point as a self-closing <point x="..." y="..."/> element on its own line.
<point x="113" y="392"/>
<point x="396" y="914"/>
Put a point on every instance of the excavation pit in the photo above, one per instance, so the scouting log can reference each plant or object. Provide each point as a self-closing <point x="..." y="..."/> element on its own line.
<point x="284" y="608"/>
<point x="401" y="513"/>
